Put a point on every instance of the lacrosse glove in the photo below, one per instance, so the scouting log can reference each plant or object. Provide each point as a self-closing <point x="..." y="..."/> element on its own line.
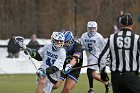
<point x="67" y="69"/>
<point x="30" y="51"/>
<point x="41" y="72"/>
<point x="104" y="75"/>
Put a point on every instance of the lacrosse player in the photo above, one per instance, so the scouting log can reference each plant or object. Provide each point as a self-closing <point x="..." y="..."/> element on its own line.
<point x="53" y="56"/>
<point x="93" y="43"/>
<point x="74" y="58"/>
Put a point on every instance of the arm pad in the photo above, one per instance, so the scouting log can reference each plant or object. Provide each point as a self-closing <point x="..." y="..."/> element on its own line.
<point x="51" y="70"/>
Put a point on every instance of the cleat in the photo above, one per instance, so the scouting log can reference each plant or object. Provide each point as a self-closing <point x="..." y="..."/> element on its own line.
<point x="108" y="87"/>
<point x="90" y="91"/>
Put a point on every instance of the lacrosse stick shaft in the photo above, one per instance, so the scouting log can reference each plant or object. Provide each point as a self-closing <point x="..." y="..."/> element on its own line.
<point x="90" y="53"/>
<point x="30" y="58"/>
<point x="19" y="40"/>
<point x="83" y="66"/>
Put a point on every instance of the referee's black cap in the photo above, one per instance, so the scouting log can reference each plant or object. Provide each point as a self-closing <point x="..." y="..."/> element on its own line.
<point x="126" y="19"/>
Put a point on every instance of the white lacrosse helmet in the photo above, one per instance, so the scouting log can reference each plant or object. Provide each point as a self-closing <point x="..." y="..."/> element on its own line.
<point x="57" y="39"/>
<point x="92" y="24"/>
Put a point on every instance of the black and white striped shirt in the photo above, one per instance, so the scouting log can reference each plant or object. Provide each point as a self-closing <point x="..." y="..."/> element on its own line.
<point x="122" y="49"/>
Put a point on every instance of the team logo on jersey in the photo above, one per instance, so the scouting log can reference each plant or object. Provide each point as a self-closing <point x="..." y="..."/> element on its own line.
<point x="52" y="55"/>
<point x="91" y="41"/>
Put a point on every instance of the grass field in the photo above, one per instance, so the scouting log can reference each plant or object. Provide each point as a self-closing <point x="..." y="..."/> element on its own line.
<point x="27" y="84"/>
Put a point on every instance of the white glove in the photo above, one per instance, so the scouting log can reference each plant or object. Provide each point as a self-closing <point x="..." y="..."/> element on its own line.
<point x="67" y="69"/>
<point x="41" y="72"/>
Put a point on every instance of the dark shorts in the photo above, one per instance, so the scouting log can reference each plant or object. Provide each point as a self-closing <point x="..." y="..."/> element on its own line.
<point x="73" y="75"/>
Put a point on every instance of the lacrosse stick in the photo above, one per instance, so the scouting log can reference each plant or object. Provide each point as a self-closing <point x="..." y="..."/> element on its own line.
<point x="83" y="66"/>
<point x="19" y="40"/>
<point x="88" y="52"/>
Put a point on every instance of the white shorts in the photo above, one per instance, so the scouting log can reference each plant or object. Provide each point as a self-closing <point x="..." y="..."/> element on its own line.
<point x="92" y="60"/>
<point x="48" y="86"/>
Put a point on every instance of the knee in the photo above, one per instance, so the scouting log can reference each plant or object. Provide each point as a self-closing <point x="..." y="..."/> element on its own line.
<point x="94" y="74"/>
<point x="41" y="82"/>
<point x="40" y="86"/>
<point x="56" y="86"/>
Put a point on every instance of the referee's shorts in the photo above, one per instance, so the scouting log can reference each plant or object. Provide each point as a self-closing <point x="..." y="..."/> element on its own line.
<point x="126" y="82"/>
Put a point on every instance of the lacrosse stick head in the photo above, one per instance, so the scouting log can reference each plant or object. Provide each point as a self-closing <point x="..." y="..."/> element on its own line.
<point x="19" y="40"/>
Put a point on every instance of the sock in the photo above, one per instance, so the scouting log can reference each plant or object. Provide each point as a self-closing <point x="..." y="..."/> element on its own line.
<point x="90" y="77"/>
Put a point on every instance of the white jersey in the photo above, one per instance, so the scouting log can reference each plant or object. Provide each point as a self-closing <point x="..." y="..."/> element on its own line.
<point x="53" y="58"/>
<point x="94" y="45"/>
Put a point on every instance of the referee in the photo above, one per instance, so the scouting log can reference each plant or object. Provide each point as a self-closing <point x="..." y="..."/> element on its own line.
<point x="123" y="51"/>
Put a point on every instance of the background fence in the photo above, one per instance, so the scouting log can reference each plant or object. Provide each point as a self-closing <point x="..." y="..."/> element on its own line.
<point x="42" y="17"/>
<point x="23" y="64"/>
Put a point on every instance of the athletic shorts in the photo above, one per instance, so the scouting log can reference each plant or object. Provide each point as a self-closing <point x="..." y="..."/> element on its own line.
<point x="73" y="75"/>
<point x="48" y="86"/>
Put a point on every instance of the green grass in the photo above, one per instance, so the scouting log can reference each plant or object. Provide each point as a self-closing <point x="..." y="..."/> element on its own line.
<point x="27" y="84"/>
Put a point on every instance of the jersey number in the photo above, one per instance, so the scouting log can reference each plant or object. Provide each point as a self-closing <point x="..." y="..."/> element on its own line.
<point x="89" y="47"/>
<point x="123" y="42"/>
<point x="50" y="61"/>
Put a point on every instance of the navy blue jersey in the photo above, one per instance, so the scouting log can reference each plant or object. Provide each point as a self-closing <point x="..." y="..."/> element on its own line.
<point x="76" y="49"/>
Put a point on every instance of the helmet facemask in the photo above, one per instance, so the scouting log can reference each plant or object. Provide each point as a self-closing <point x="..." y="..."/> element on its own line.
<point x="68" y="43"/>
<point x="57" y="39"/>
<point x="69" y="40"/>
<point x="91" y="28"/>
<point x="58" y="43"/>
